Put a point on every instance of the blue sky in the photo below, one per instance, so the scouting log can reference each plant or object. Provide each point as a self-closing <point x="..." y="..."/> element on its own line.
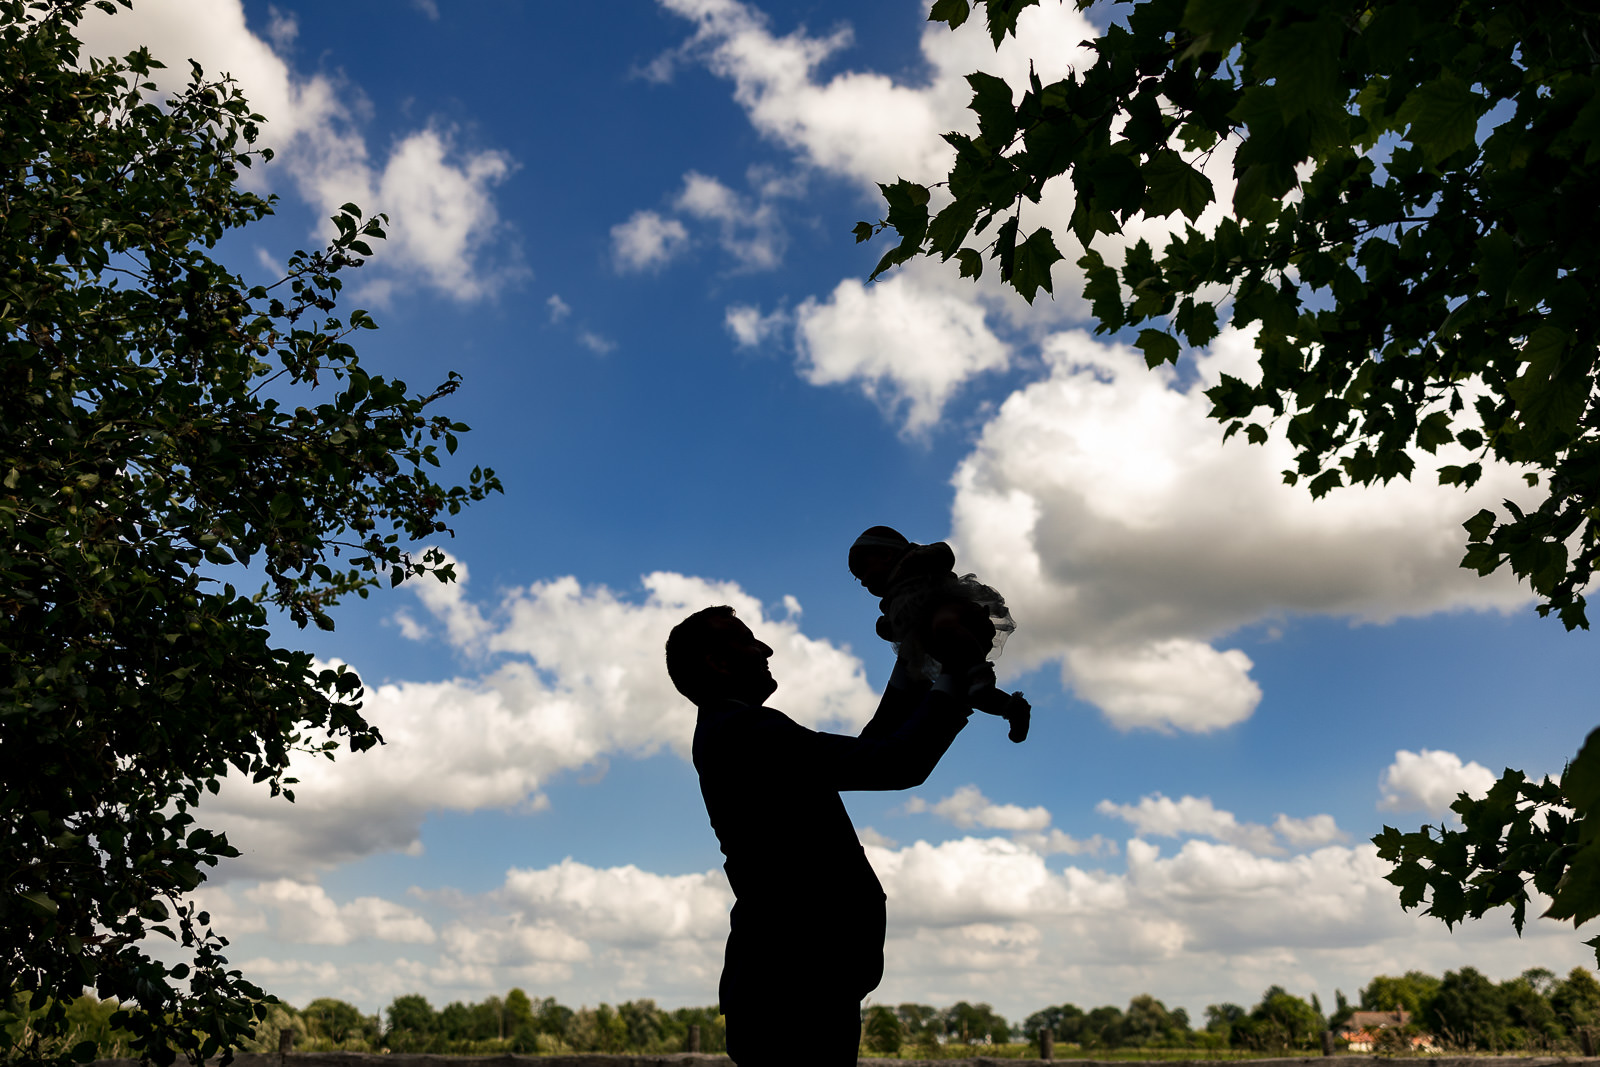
<point x="627" y="225"/>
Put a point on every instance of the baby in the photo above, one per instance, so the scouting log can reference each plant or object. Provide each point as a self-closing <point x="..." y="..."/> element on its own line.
<point x="927" y="607"/>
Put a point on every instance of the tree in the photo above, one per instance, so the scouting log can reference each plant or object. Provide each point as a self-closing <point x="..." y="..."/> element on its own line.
<point x="1469" y="1010"/>
<point x="165" y="431"/>
<point x="1408" y="176"/>
<point x="1532" y="1020"/>
<point x="1413" y="282"/>
<point x="1281" y="1020"/>
<point x="975" y="1023"/>
<point x="1148" y="1022"/>
<point x="412" y="1024"/>
<point x="881" y="1030"/>
<point x="1520" y="834"/>
<point x="921" y="1021"/>
<point x="1102" y="1027"/>
<point x="1411" y="992"/>
<point x="1576" y="1000"/>
<point x="339" y="1022"/>
<point x="1065" y="1021"/>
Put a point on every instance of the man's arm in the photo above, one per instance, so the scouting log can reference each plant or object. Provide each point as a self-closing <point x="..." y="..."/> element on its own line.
<point x="901" y="758"/>
<point x="901" y="697"/>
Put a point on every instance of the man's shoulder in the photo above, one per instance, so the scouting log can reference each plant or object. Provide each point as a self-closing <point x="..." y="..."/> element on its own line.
<point x="733" y="723"/>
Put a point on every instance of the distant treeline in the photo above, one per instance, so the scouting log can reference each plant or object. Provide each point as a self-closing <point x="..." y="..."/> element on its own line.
<point x="1534" y="1012"/>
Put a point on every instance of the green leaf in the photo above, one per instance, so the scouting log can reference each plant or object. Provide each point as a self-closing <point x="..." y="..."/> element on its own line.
<point x="1480" y="525"/>
<point x="1302" y="58"/>
<point x="863" y="231"/>
<point x="991" y="101"/>
<point x="1158" y="347"/>
<point x="1034" y="259"/>
<point x="1443" y="117"/>
<point x="1173" y="185"/>
<point x="971" y="263"/>
<point x="1580" y="782"/>
<point x="1104" y="292"/>
<point x="1434" y="431"/>
<point x="953" y="12"/>
<point x="1549" y="399"/>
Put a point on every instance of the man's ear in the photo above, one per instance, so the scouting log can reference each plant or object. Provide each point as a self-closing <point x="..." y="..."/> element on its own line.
<point x="717" y="664"/>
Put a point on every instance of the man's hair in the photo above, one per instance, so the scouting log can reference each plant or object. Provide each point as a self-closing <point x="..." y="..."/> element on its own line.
<point x="688" y="645"/>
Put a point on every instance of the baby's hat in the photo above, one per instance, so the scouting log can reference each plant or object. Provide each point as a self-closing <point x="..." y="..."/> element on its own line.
<point x="876" y="537"/>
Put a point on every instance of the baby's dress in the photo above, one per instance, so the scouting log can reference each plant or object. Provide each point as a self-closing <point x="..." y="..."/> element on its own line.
<point x="923" y="579"/>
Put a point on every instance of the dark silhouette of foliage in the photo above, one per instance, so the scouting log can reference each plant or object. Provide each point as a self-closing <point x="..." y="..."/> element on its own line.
<point x="1520" y="834"/>
<point x="164" y="427"/>
<point x="1414" y="283"/>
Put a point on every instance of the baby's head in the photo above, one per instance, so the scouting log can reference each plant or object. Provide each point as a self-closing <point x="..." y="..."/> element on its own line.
<point x="874" y="554"/>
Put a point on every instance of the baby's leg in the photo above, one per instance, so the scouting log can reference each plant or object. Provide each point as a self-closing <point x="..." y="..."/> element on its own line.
<point x="1012" y="707"/>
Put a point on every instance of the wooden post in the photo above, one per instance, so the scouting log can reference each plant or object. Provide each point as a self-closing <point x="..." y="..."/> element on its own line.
<point x="1047" y="1043"/>
<point x="285" y="1041"/>
<point x="1327" y="1042"/>
<point x="694" y="1038"/>
<point x="1586" y="1039"/>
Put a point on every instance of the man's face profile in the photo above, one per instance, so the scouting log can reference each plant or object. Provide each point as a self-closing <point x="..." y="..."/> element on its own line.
<point x="739" y="661"/>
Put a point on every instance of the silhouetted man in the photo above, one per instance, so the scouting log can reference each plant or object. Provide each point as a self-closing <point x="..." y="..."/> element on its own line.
<point x="806" y="943"/>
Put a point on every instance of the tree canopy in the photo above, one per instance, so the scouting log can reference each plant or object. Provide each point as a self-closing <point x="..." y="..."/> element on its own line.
<point x="1522" y="834"/>
<point x="166" y="431"/>
<point x="1409" y="231"/>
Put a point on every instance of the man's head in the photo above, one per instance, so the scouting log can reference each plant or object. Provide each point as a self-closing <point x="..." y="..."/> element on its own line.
<point x="711" y="655"/>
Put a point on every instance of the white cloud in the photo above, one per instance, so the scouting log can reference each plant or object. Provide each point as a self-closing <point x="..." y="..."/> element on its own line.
<point x="749" y="327"/>
<point x="1206" y="923"/>
<point x="599" y="345"/>
<point x="559" y="308"/>
<point x="869" y="836"/>
<point x="748" y="231"/>
<point x="307" y="915"/>
<point x="1166" y="683"/>
<point x="1164" y="817"/>
<point x="1312" y="830"/>
<point x="865" y="125"/>
<point x="1161" y="816"/>
<point x="573" y="676"/>
<point x="445" y="230"/>
<point x="908" y="344"/>
<point x="1128" y="538"/>
<point x="1430" y="781"/>
<point x="968" y="808"/>
<point x="647" y="240"/>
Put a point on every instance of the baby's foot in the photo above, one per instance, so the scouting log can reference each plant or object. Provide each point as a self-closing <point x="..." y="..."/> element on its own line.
<point x="1019" y="713"/>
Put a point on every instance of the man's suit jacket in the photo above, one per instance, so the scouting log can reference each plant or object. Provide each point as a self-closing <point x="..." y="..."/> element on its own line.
<point x="809" y="913"/>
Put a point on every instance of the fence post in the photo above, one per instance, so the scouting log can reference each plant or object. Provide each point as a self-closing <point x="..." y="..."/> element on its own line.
<point x="1047" y="1043"/>
<point x="285" y="1041"/>
<point x="694" y="1038"/>
<point x="1586" y="1039"/>
<point x="1327" y="1042"/>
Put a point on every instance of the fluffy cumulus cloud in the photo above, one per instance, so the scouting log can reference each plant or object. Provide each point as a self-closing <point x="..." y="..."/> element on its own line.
<point x="646" y="241"/>
<point x="1208" y="921"/>
<point x="305" y="914"/>
<point x="967" y="808"/>
<point x="439" y="197"/>
<point x="745" y="226"/>
<point x="864" y="125"/>
<point x="908" y="342"/>
<point x="1161" y="816"/>
<point x="1128" y="538"/>
<point x="1430" y="781"/>
<point x="571" y="676"/>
